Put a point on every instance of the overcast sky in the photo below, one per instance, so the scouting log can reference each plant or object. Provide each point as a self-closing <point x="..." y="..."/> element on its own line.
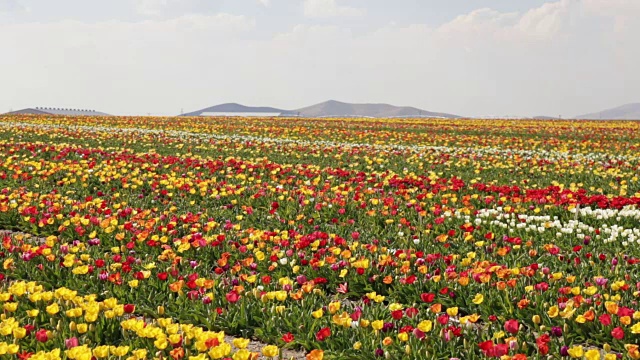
<point x="468" y="57"/>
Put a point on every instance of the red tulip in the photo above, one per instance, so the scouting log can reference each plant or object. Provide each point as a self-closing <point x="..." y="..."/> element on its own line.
<point x="232" y="297"/>
<point x="288" y="337"/>
<point x="397" y="315"/>
<point x="323" y="334"/>
<point x="411" y="312"/>
<point x="485" y="345"/>
<point x="605" y="319"/>
<point x="427" y="297"/>
<point x="443" y="319"/>
<point x="41" y="335"/>
<point x="617" y="333"/>
<point x="511" y="326"/>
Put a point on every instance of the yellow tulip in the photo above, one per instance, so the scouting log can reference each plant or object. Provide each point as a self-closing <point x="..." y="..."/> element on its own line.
<point x="592" y="355"/>
<point x="425" y="326"/>
<point x="270" y="351"/>
<point x="334" y="307"/>
<point x="478" y="299"/>
<point x="10" y="306"/>
<point x="82" y="328"/>
<point x="120" y="350"/>
<point x="53" y="309"/>
<point x="19" y="332"/>
<point x="13" y="349"/>
<point x="101" y="352"/>
<point x="242" y="354"/>
<point x="576" y="352"/>
<point x="241" y="343"/>
<point x="161" y="343"/>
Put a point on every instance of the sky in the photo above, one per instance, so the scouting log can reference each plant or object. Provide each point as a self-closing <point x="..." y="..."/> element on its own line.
<point x="467" y="57"/>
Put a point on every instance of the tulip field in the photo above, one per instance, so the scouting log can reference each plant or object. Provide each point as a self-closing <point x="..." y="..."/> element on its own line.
<point x="277" y="238"/>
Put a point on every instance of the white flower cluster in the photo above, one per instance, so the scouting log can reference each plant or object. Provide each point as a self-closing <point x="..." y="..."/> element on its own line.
<point x="543" y="223"/>
<point x="605" y="214"/>
<point x="625" y="236"/>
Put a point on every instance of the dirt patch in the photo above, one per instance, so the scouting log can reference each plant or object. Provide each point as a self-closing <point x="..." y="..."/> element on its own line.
<point x="28" y="238"/>
<point x="256" y="346"/>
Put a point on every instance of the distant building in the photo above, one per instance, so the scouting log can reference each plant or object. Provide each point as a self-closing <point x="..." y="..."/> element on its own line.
<point x="56" y="111"/>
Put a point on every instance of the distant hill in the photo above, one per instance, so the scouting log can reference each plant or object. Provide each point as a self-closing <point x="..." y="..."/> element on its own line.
<point x="337" y="108"/>
<point x="231" y="108"/>
<point x="624" y="112"/>
<point x="325" y="109"/>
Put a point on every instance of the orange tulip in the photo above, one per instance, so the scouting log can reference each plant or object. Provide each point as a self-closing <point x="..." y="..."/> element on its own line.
<point x="316" y="354"/>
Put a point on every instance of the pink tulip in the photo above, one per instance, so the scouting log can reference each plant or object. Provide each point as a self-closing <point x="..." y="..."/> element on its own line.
<point x="71" y="343"/>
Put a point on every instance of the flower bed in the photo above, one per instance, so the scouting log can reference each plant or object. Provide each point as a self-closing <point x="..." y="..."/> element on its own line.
<point x="338" y="239"/>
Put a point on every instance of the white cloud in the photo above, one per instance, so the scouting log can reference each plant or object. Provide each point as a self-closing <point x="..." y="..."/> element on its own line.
<point x="152" y="7"/>
<point x="265" y="3"/>
<point x="12" y="6"/>
<point x="550" y="18"/>
<point x="119" y="67"/>
<point x="172" y="8"/>
<point x="329" y="8"/>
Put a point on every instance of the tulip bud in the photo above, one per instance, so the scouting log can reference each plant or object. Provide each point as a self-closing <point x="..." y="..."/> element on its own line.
<point x="513" y="345"/>
<point x="72" y="326"/>
<point x="566" y="327"/>
<point x="160" y="310"/>
<point x="407" y="349"/>
<point x="536" y="319"/>
<point x="564" y="350"/>
<point x="606" y="347"/>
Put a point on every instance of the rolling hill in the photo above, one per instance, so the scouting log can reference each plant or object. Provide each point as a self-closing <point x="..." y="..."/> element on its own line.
<point x="337" y="108"/>
<point x="624" y="112"/>
<point x="231" y="108"/>
<point x="326" y="109"/>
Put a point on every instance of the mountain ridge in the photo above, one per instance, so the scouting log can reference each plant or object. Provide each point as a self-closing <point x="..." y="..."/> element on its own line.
<point x="235" y="107"/>
<point x="629" y="111"/>
<point x="376" y="110"/>
<point x="330" y="108"/>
